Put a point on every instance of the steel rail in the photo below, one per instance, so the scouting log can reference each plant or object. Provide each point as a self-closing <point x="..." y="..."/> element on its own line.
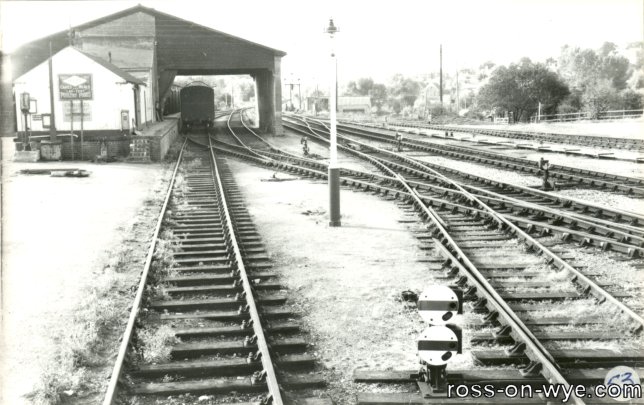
<point x="112" y="386"/>
<point x="521" y="163"/>
<point x="610" y="233"/>
<point x="597" y="240"/>
<point x="534" y="348"/>
<point x="565" y="200"/>
<point x="624" y="230"/>
<point x="577" y="277"/>
<point x="585" y="140"/>
<point x="235" y="136"/>
<point x="272" y="383"/>
<point x="544" y="194"/>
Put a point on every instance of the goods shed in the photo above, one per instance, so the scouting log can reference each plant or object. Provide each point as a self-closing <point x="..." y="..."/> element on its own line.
<point x="155" y="47"/>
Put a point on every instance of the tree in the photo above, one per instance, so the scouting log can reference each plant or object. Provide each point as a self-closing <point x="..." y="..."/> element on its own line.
<point x="631" y="100"/>
<point x="521" y="87"/>
<point x="360" y="88"/>
<point x="487" y="65"/>
<point x="572" y="103"/>
<point x="395" y="105"/>
<point x="365" y="86"/>
<point x="378" y="95"/>
<point x="247" y="90"/>
<point x="404" y="89"/>
<point x="599" y="98"/>
<point x="583" y="68"/>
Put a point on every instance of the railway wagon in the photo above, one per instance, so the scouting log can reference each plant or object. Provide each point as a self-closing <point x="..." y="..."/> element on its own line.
<point x="197" y="108"/>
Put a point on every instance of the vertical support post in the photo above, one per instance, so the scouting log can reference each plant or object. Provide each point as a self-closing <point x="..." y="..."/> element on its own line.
<point x="71" y="130"/>
<point x="336" y="85"/>
<point x="81" y="129"/>
<point x="145" y="108"/>
<point x="441" y="75"/>
<point x="52" y="123"/>
<point x="458" y="96"/>
<point x="334" y="170"/>
<point x="26" y="137"/>
<point x="539" y="113"/>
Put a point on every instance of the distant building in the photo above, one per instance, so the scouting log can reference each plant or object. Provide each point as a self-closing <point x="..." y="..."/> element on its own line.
<point x="346" y="104"/>
<point x="354" y="105"/>
<point x="317" y="104"/>
<point x="431" y="94"/>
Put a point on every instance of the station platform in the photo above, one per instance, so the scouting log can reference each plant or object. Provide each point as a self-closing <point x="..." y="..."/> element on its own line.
<point x="150" y="143"/>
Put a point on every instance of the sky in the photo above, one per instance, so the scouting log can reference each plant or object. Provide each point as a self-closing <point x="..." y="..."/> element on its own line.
<point x="376" y="39"/>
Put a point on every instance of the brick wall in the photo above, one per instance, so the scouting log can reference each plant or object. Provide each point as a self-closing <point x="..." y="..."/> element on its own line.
<point x="92" y="148"/>
<point x="160" y="148"/>
<point x="119" y="145"/>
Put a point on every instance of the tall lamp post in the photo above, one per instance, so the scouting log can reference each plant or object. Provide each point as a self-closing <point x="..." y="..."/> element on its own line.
<point x="334" y="170"/>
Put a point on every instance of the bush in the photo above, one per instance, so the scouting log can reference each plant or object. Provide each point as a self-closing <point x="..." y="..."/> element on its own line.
<point x="438" y="110"/>
<point x="571" y="104"/>
<point x="599" y="98"/>
<point x="632" y="100"/>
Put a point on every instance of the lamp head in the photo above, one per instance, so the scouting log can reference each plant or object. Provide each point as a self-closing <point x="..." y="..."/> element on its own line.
<point x="331" y="29"/>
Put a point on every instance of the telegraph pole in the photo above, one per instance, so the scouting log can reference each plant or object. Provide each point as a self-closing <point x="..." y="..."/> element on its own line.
<point x="458" y="99"/>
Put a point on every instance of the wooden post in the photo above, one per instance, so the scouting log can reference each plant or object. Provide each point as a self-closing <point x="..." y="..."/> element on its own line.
<point x="52" y="112"/>
<point x="81" y="123"/>
<point x="71" y="130"/>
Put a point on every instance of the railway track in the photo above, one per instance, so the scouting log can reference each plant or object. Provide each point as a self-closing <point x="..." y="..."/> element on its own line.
<point x="534" y="210"/>
<point x="566" y="175"/>
<point x="528" y="298"/>
<point x="583" y="140"/>
<point x="207" y="290"/>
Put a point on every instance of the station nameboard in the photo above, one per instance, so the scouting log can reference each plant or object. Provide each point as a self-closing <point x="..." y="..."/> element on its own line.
<point x="75" y="86"/>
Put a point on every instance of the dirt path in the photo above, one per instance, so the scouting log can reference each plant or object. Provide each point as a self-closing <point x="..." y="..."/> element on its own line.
<point x="57" y="233"/>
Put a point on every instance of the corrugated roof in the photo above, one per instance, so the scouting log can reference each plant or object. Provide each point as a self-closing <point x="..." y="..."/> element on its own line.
<point x="112" y="68"/>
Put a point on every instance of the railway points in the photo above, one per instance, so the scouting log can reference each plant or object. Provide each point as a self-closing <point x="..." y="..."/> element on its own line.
<point x="489" y="269"/>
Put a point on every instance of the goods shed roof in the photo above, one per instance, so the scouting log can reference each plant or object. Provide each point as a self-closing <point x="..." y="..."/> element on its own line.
<point x="181" y="45"/>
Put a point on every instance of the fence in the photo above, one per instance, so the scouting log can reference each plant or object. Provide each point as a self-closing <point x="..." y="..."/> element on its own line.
<point x="604" y="115"/>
